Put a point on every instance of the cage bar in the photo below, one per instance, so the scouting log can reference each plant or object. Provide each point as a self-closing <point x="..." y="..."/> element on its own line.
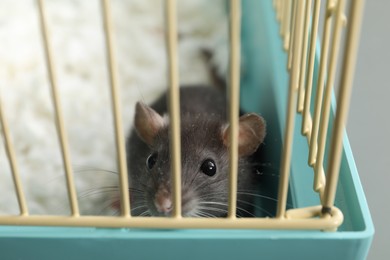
<point x="319" y="178"/>
<point x="115" y="94"/>
<point x="307" y="119"/>
<point x="320" y="84"/>
<point x="234" y="95"/>
<point x="174" y="223"/>
<point x="58" y="111"/>
<point x="278" y="9"/>
<point x="302" y="74"/>
<point x="283" y="18"/>
<point x="9" y="148"/>
<point x="289" y="130"/>
<point x="292" y="34"/>
<point x="348" y="68"/>
<point x="286" y="24"/>
<point x="174" y="104"/>
<point x="281" y="11"/>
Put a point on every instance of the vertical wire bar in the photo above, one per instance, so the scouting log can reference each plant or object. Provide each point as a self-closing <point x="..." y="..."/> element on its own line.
<point x="174" y="105"/>
<point x="319" y="178"/>
<point x="281" y="13"/>
<point x="320" y="84"/>
<point x="301" y="93"/>
<point x="282" y="18"/>
<point x="115" y="94"/>
<point x="278" y="6"/>
<point x="289" y="131"/>
<point x="348" y="68"/>
<point x="58" y="112"/>
<point x="286" y="24"/>
<point x="307" y="123"/>
<point x="13" y="164"/>
<point x="292" y="35"/>
<point x="234" y="94"/>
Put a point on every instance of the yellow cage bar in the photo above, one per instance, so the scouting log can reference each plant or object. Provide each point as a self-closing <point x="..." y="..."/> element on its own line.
<point x="119" y="135"/>
<point x="235" y="24"/>
<point x="13" y="163"/>
<point x="58" y="110"/>
<point x="174" y="104"/>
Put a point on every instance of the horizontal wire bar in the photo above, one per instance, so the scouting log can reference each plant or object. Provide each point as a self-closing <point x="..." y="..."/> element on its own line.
<point x="309" y="212"/>
<point x="178" y="223"/>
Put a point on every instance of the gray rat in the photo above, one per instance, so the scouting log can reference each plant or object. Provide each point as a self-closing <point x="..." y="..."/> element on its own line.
<point x="204" y="156"/>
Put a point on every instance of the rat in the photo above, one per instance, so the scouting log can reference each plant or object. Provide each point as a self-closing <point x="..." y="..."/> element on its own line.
<point x="204" y="156"/>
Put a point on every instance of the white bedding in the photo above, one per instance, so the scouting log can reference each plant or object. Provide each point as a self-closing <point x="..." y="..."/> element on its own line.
<point x="78" y="43"/>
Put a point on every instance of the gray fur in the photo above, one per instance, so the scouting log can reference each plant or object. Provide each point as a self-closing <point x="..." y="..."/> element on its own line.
<point x="203" y="117"/>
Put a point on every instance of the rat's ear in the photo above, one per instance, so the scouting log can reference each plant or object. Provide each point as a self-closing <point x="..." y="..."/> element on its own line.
<point x="147" y="122"/>
<point x="251" y="134"/>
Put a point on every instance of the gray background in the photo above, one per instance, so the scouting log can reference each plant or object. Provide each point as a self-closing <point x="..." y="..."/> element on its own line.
<point x="369" y="125"/>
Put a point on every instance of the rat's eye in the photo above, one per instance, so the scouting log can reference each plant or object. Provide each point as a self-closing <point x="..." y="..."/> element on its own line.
<point x="151" y="161"/>
<point x="208" y="167"/>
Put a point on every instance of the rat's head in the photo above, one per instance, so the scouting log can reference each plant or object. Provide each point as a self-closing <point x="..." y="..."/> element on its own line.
<point x="204" y="157"/>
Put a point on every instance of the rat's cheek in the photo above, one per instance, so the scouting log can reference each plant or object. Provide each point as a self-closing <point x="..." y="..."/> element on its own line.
<point x="190" y="203"/>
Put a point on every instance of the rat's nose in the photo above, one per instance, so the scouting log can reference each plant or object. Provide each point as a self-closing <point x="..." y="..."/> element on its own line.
<point x="163" y="201"/>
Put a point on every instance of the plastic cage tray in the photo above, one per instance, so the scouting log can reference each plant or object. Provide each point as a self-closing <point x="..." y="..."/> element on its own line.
<point x="263" y="89"/>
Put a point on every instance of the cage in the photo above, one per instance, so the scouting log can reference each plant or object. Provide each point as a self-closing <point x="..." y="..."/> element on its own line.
<point x="333" y="221"/>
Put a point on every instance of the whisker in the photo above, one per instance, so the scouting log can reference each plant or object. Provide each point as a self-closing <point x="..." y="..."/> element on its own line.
<point x="213" y="209"/>
<point x="91" y="192"/>
<point x="261" y="196"/>
<point x="205" y="214"/>
<point x="257" y="207"/>
<point x="136" y="190"/>
<point x="212" y="203"/>
<point x="115" y="213"/>
<point x="146" y="213"/>
<point x="213" y="196"/>
<point x="207" y="182"/>
<point x="87" y="169"/>
<point x="139" y="207"/>
<point x="241" y="209"/>
<point x="257" y="195"/>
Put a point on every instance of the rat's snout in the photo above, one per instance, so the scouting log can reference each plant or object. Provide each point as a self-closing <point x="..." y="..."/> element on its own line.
<point x="163" y="200"/>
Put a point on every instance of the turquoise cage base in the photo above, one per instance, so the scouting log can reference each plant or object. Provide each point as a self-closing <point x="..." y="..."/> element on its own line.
<point x="264" y="90"/>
